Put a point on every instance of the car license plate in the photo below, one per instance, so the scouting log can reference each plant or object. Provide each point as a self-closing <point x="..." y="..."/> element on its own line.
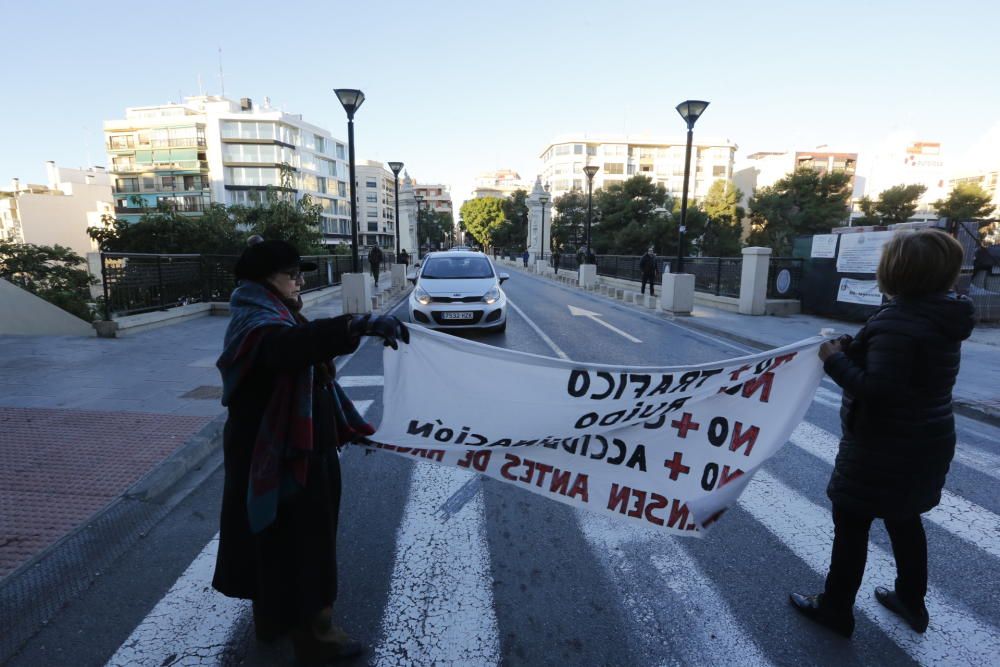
<point x="456" y="316"/>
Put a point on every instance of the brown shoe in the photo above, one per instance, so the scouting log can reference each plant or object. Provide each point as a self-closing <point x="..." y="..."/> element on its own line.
<point x="314" y="646"/>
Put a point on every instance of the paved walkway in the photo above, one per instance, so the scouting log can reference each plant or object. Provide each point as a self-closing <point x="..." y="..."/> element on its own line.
<point x="83" y="419"/>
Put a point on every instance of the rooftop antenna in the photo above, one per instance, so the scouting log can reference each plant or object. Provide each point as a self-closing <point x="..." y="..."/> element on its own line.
<point x="222" y="76"/>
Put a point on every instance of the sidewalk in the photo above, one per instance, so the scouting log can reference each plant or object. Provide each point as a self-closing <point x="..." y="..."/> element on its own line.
<point x="978" y="386"/>
<point x="83" y="419"/>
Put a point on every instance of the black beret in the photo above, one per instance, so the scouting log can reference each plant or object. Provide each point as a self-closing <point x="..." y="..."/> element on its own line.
<point x="263" y="258"/>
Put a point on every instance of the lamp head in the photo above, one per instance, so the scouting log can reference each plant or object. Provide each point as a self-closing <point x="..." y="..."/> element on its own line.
<point x="590" y="170"/>
<point x="396" y="167"/>
<point x="351" y="99"/>
<point x="691" y="110"/>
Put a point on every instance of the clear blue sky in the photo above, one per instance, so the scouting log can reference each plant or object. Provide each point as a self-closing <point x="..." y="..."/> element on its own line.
<point x="456" y="88"/>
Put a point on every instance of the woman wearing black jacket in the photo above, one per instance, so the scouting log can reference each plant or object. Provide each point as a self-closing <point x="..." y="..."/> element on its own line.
<point x="898" y="440"/>
<point x="287" y="418"/>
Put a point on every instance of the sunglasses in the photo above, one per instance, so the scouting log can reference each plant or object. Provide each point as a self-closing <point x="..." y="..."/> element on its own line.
<point x="297" y="276"/>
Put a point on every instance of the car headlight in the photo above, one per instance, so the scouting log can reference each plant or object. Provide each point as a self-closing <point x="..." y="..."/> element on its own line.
<point x="421" y="295"/>
<point x="492" y="296"/>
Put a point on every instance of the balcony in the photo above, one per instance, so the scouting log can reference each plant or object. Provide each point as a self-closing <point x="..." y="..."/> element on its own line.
<point x="150" y="167"/>
<point x="179" y="142"/>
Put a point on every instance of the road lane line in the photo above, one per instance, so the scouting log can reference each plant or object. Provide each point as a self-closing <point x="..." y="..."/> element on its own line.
<point x="960" y="517"/>
<point x="596" y="317"/>
<point x="956" y="636"/>
<point x="440" y="606"/>
<point x="707" y="628"/>
<point x="548" y="341"/>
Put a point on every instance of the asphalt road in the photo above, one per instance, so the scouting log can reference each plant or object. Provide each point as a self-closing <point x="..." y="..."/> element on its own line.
<point x="532" y="582"/>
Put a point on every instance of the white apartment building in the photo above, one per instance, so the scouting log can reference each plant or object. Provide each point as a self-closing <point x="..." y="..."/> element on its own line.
<point x="765" y="168"/>
<point x="58" y="213"/>
<point x="211" y="149"/>
<point x="376" y="205"/>
<point x="501" y="184"/>
<point x="436" y="197"/>
<point x="621" y="157"/>
<point x="902" y="160"/>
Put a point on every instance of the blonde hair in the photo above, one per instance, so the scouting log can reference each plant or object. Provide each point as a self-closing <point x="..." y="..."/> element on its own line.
<point x="915" y="263"/>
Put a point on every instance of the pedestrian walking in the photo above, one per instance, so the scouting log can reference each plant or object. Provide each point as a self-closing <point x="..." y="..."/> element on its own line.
<point x="375" y="262"/>
<point x="647" y="268"/>
<point x="982" y="264"/>
<point x="897" y="375"/>
<point x="287" y="418"/>
<point x="555" y="261"/>
<point x="404" y="257"/>
<point x="524" y="258"/>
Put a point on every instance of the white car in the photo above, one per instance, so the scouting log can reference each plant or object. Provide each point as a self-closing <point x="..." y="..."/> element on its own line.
<point x="458" y="289"/>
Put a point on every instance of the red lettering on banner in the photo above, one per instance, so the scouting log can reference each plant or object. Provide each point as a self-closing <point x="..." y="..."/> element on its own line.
<point x="512" y="461"/>
<point x="526" y="477"/>
<point x="618" y="500"/>
<point x="580" y="488"/>
<point x="740" y="438"/>
<point x="658" y="503"/>
<point x="678" y="515"/>
<point x="542" y="469"/>
<point x="782" y="359"/>
<point x="640" y="503"/>
<point x="762" y="382"/>
<point x="560" y="482"/>
<point x="728" y="476"/>
<point x="685" y="424"/>
<point x="676" y="465"/>
<point x="712" y="519"/>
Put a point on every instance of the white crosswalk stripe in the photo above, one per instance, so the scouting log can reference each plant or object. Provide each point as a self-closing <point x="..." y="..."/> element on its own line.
<point x="440" y="607"/>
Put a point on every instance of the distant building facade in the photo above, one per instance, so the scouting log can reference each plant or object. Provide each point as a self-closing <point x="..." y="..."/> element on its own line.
<point x="500" y="184"/>
<point x="765" y="168"/>
<point x="376" y="205"/>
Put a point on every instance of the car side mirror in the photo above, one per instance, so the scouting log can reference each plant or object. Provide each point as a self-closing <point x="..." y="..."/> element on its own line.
<point x="502" y="277"/>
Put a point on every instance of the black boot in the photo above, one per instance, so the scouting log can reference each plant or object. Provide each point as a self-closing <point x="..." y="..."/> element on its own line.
<point x="916" y="618"/>
<point x="811" y="606"/>
<point x="267" y="626"/>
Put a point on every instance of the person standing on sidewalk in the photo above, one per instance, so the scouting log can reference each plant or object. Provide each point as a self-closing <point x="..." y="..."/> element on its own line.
<point x="524" y="258"/>
<point x="555" y="261"/>
<point x="647" y="267"/>
<point x="375" y="263"/>
<point x="898" y="440"/>
<point x="287" y="418"/>
<point x="404" y="257"/>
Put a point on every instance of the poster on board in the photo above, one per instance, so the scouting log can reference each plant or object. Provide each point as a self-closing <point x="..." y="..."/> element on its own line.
<point x="824" y="246"/>
<point x="863" y="292"/>
<point x="861" y="251"/>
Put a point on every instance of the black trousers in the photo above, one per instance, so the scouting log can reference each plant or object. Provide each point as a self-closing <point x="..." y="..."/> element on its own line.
<point x="850" y="551"/>
<point x="651" y="279"/>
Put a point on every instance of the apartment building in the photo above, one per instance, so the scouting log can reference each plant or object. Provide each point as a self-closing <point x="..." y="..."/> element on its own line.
<point x="376" y="205"/>
<point x="621" y="157"/>
<point x="58" y="213"/>
<point x="765" y="168"/>
<point x="501" y="184"/>
<point x="436" y="197"/>
<point x="211" y="149"/>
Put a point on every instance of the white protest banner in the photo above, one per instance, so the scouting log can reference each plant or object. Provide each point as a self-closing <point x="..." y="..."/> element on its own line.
<point x="861" y="251"/>
<point x="865" y="292"/>
<point x="824" y="245"/>
<point x="668" y="447"/>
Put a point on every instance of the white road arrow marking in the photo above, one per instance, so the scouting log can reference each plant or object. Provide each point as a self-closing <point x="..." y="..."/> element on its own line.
<point x="580" y="312"/>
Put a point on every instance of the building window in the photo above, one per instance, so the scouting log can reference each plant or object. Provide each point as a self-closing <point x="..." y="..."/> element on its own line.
<point x="372" y="198"/>
<point x="321" y="184"/>
<point x="371" y="184"/>
<point x="614" y="167"/>
<point x="563" y="149"/>
<point x="320" y="144"/>
<point x="148" y="183"/>
<point x="340" y="151"/>
<point x="127" y="185"/>
<point x="119" y="141"/>
<point x="719" y="170"/>
<point x="372" y="212"/>
<point x="341" y="188"/>
<point x="373" y="226"/>
<point x="578" y="149"/>
<point x="167" y="182"/>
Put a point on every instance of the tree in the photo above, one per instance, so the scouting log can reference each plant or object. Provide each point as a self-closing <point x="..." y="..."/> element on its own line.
<point x="482" y="216"/>
<point x="54" y="273"/>
<point x="569" y="220"/>
<point x="723" y="230"/>
<point x="436" y="228"/>
<point x="164" y="230"/>
<point x="804" y="202"/>
<point x="898" y="203"/>
<point x="629" y="219"/>
<point x="513" y="233"/>
<point x="966" y="201"/>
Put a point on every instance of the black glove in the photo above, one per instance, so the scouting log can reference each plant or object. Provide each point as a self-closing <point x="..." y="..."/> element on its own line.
<point x="387" y="327"/>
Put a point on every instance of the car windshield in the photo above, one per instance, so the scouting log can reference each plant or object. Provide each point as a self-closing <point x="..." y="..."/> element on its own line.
<point x="457" y="267"/>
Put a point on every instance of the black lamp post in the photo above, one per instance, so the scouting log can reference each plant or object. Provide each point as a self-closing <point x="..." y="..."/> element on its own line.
<point x="590" y="170"/>
<point x="352" y="101"/>
<point x="396" y="167"/>
<point x="420" y="200"/>
<point x="689" y="110"/>
<point x="544" y="199"/>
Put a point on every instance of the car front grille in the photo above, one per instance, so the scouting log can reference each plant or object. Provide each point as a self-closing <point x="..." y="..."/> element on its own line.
<point x="456" y="299"/>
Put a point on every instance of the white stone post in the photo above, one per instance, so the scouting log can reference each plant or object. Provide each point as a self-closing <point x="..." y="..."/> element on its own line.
<point x="398" y="273"/>
<point x="356" y="293"/>
<point x="677" y="293"/>
<point x="539" y="214"/>
<point x="753" y="281"/>
<point x="588" y="276"/>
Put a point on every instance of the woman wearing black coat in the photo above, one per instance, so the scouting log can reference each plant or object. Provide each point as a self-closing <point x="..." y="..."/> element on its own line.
<point x="287" y="418"/>
<point x="897" y="375"/>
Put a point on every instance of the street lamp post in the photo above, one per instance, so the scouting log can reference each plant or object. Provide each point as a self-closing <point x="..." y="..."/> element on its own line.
<point x="544" y="199"/>
<point x="396" y="167"/>
<point x="352" y="100"/>
<point x="689" y="110"/>
<point x="590" y="170"/>
<point x="420" y="200"/>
